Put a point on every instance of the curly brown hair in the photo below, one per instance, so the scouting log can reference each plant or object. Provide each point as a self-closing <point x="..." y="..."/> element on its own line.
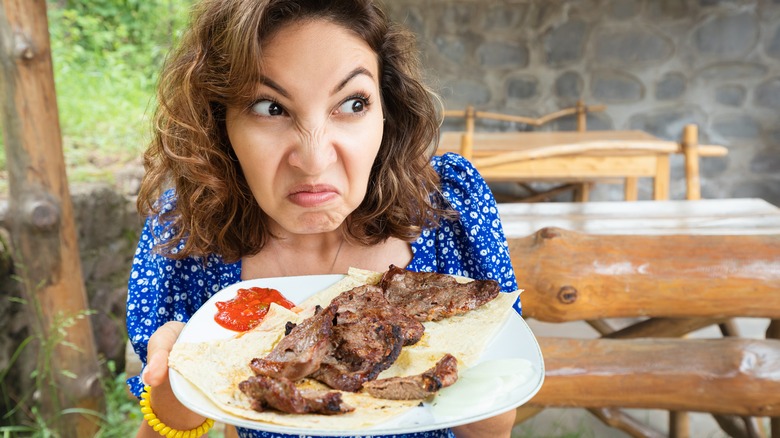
<point x="217" y="65"/>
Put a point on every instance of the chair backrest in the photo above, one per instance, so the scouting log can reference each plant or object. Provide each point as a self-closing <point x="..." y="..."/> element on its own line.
<point x="641" y="155"/>
<point x="470" y="116"/>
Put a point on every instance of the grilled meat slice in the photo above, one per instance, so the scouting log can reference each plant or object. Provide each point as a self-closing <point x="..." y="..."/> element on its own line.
<point x="300" y="352"/>
<point x="421" y="386"/>
<point x="430" y="296"/>
<point x="367" y="338"/>
<point x="281" y="394"/>
<point x="361" y="351"/>
<point x="353" y="303"/>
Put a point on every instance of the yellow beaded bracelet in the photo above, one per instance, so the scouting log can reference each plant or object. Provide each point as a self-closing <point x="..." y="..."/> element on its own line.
<point x="167" y="431"/>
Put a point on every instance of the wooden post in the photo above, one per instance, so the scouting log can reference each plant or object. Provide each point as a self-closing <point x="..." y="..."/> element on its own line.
<point x="690" y="147"/>
<point x="773" y="332"/>
<point x="582" y="116"/>
<point x="467" y="141"/>
<point x="43" y="231"/>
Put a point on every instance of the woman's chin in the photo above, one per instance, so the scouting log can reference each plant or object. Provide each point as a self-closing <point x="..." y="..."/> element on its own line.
<point x="313" y="223"/>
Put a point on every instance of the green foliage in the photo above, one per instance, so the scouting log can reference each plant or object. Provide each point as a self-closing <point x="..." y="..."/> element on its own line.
<point x="23" y="416"/>
<point x="128" y="35"/>
<point x="123" y="414"/>
<point x="106" y="56"/>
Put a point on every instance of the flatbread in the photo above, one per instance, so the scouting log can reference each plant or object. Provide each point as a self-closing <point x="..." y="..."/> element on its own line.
<point x="217" y="367"/>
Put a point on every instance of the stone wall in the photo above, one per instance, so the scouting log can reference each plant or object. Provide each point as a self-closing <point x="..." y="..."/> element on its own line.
<point x="108" y="228"/>
<point x="657" y="65"/>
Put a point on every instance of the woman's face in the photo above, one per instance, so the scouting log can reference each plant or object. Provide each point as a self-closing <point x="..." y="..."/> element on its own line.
<point x="307" y="143"/>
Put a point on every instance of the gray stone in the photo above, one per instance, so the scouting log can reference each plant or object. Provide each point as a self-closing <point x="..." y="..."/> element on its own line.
<point x="766" y="161"/>
<point x="768" y="190"/>
<point x="768" y="94"/>
<point x="568" y="86"/>
<point x="711" y="167"/>
<point x="502" y="55"/>
<point x="461" y="92"/>
<point x="545" y="15"/>
<point x="593" y="122"/>
<point x="624" y="9"/>
<point x="706" y="3"/>
<point x="730" y="95"/>
<point x="731" y="71"/>
<point x="452" y="48"/>
<point x="455" y="18"/>
<point x="737" y="127"/>
<point x="672" y="86"/>
<point x="773" y="48"/>
<point x="667" y="123"/>
<point x="95" y="206"/>
<point x="629" y="47"/>
<point x="523" y="87"/>
<point x="409" y="16"/>
<point x="658" y="10"/>
<point x="727" y="35"/>
<point x="504" y="16"/>
<point x="616" y="87"/>
<point x="566" y="43"/>
<point x="773" y="137"/>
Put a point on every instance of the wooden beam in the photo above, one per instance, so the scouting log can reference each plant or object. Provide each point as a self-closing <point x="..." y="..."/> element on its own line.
<point x="569" y="276"/>
<point x="41" y="215"/>
<point x="722" y="376"/>
<point x="622" y="421"/>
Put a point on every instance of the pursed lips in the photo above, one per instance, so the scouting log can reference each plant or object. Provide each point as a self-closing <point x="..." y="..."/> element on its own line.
<point x="312" y="195"/>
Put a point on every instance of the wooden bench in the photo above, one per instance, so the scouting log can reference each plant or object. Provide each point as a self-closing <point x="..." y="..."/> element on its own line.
<point x="669" y="285"/>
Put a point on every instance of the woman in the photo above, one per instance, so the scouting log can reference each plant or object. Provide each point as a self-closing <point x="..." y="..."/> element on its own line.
<point x="294" y="138"/>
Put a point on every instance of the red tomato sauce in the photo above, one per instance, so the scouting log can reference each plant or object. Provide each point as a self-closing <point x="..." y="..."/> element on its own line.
<point x="248" y="308"/>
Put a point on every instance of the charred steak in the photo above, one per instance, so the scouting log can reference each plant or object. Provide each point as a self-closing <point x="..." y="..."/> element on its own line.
<point x="359" y="335"/>
<point x="281" y="394"/>
<point x="300" y="352"/>
<point x="421" y="386"/>
<point x="367" y="338"/>
<point x="354" y="303"/>
<point x="430" y="296"/>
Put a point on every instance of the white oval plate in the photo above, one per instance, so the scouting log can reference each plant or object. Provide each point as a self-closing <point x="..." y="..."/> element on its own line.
<point x="514" y="341"/>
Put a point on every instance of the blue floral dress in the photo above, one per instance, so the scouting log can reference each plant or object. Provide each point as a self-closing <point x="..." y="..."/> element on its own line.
<point x="161" y="289"/>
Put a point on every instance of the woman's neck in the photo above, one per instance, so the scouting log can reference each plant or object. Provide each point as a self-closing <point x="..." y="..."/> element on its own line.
<point x="330" y="254"/>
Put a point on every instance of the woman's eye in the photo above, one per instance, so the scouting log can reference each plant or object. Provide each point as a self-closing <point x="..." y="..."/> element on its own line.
<point x="353" y="106"/>
<point x="267" y="108"/>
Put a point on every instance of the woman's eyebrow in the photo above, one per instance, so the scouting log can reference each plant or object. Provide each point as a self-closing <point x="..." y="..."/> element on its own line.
<point x="356" y="72"/>
<point x="278" y="88"/>
<point x="351" y="75"/>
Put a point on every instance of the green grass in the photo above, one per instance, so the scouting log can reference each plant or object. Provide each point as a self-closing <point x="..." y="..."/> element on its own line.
<point x="105" y="56"/>
<point x="104" y="119"/>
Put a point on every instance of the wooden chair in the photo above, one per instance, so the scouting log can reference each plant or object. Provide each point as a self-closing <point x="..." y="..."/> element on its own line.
<point x="576" y="159"/>
<point x="580" y="111"/>
<point x="672" y="285"/>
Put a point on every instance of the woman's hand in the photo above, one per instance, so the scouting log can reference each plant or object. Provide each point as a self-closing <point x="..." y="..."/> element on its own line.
<point x="164" y="404"/>
<point x="499" y="426"/>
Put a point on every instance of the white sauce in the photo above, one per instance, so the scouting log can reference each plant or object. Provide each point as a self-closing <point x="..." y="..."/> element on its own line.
<point x="480" y="387"/>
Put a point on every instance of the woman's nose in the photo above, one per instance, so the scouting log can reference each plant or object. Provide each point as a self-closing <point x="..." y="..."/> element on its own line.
<point x="314" y="150"/>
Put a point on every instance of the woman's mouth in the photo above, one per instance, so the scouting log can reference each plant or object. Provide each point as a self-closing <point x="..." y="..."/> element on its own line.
<point x="312" y="195"/>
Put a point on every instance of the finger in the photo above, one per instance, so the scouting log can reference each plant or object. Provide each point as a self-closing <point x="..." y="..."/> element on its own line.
<point x="160" y="345"/>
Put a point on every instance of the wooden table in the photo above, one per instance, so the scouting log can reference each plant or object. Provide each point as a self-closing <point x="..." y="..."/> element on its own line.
<point x="669" y="268"/>
<point x="706" y="216"/>
<point x="574" y="156"/>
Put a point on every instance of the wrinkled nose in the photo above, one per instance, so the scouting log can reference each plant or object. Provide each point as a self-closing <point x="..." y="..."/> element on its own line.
<point x="314" y="150"/>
